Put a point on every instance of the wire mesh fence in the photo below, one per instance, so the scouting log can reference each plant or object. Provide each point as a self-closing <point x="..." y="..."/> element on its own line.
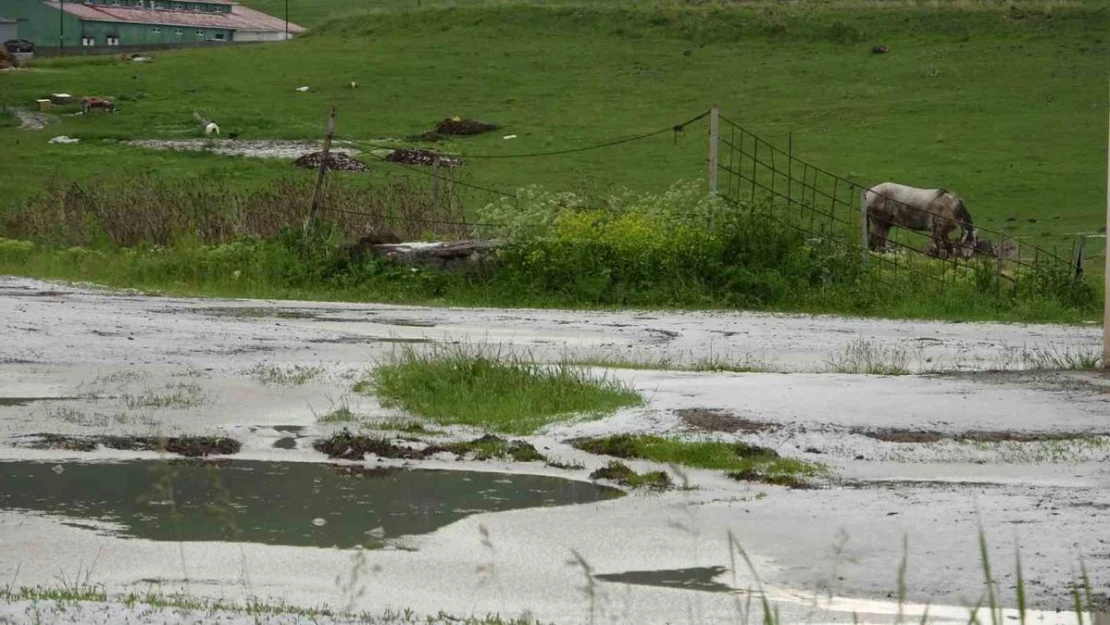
<point x="892" y="235"/>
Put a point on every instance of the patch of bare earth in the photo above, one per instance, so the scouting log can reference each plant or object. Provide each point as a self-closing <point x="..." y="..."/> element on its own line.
<point x="892" y="435"/>
<point x="712" y="420"/>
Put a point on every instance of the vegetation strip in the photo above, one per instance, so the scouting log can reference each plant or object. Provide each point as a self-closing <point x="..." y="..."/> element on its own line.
<point x="741" y="460"/>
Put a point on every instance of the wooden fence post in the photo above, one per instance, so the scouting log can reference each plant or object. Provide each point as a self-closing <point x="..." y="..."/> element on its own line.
<point x="318" y="193"/>
<point x="863" y="226"/>
<point x="435" y="187"/>
<point x="1079" y="256"/>
<point x="714" y="139"/>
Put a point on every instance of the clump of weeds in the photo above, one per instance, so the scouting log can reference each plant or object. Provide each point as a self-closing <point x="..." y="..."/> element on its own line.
<point x="292" y="375"/>
<point x="621" y="473"/>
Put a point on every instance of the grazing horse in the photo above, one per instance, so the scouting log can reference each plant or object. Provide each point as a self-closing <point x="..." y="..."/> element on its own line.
<point x="937" y="211"/>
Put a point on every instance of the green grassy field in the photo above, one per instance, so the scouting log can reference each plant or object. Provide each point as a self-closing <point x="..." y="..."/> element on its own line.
<point x="1007" y="106"/>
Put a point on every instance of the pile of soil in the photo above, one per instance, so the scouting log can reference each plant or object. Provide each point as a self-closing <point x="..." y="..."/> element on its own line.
<point x="455" y="127"/>
<point x="464" y="127"/>
<point x="337" y="161"/>
<point x="189" y="446"/>
<point x="422" y="156"/>
<point x="348" y="446"/>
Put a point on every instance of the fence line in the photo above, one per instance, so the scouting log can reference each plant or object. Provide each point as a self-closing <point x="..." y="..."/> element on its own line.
<point x="760" y="174"/>
<point x="755" y="174"/>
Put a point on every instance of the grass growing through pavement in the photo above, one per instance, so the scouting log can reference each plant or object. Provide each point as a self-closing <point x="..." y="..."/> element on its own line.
<point x="740" y="460"/>
<point x="454" y="385"/>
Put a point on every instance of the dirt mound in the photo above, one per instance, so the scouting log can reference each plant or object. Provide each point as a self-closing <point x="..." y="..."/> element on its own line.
<point x="350" y="446"/>
<point x="455" y="127"/>
<point x="337" y="161"/>
<point x="422" y="156"/>
<point x="464" y="127"/>
<point x="189" y="446"/>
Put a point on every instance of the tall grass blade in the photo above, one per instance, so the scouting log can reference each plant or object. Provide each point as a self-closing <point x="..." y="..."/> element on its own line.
<point x="992" y="598"/>
<point x="1020" y="588"/>
<point x="902" y="576"/>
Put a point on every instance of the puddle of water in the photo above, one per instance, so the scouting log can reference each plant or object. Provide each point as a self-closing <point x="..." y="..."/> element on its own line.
<point x="285" y="443"/>
<point x="292" y="429"/>
<point x="300" y="504"/>
<point x="697" y="578"/>
<point x="23" y="401"/>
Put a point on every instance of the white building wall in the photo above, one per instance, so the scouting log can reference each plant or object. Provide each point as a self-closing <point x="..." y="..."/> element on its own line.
<point x="259" y="35"/>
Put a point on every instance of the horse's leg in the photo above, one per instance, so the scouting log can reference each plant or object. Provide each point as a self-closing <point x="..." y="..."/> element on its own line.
<point x="882" y="231"/>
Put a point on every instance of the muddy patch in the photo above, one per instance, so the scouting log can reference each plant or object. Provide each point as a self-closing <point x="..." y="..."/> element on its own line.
<point x="188" y="446"/>
<point x="292" y="429"/>
<point x="285" y="443"/>
<point x="238" y="147"/>
<point x="407" y="323"/>
<point x="338" y="161"/>
<point x="455" y="127"/>
<point x="422" y="156"/>
<point x="695" y="578"/>
<point x="258" y="313"/>
<point x="348" y="446"/>
<point x="722" y="421"/>
<point x="23" y="401"/>
<point x="33" y="120"/>
<point x="891" y="435"/>
<point x="299" y="504"/>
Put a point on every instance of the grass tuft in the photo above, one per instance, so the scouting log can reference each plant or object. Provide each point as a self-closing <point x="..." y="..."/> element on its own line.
<point x="622" y="474"/>
<point x="742" y="461"/>
<point x="871" y="358"/>
<point x="453" y="385"/>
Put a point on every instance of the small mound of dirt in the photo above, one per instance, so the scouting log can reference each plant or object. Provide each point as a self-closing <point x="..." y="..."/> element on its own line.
<point x="722" y="421"/>
<point x="422" y="156"/>
<point x="464" y="127"/>
<point x="348" y="446"/>
<point x="522" y="451"/>
<point x="622" y="474"/>
<point x="455" y="127"/>
<point x="337" y="161"/>
<point x="188" y="446"/>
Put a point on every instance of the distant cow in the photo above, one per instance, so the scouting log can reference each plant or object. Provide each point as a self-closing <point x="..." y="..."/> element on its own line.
<point x="936" y="211"/>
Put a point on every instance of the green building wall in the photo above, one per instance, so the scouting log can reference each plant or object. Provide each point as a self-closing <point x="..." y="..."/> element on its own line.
<point x="129" y="34"/>
<point x="40" y="24"/>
